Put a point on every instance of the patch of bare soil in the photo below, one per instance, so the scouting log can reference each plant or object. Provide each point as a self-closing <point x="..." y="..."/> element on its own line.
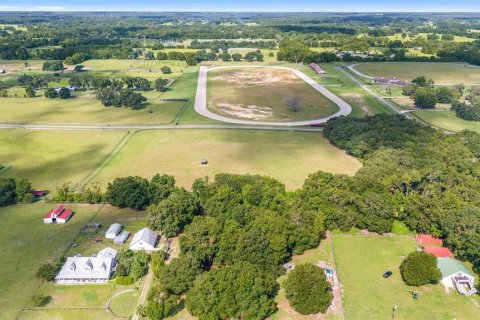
<point x="358" y="99"/>
<point x="252" y="112"/>
<point x="247" y="79"/>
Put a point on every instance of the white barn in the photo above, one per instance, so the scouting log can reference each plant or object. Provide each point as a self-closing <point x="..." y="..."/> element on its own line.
<point x="88" y="270"/>
<point x="113" y="231"/>
<point x="456" y="275"/>
<point x="144" y="239"/>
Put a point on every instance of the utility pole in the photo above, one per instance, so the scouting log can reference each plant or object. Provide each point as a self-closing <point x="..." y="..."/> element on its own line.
<point x="394" y="309"/>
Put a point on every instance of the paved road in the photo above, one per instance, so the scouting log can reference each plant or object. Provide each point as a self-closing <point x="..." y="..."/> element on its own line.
<point x="373" y="93"/>
<point x="201" y="100"/>
<point x="103" y="127"/>
<point x="358" y="73"/>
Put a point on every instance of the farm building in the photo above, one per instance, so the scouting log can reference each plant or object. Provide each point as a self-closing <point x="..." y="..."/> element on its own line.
<point x="58" y="215"/>
<point x="39" y="193"/>
<point x="456" y="275"/>
<point x="113" y="231"/>
<point x="144" y="239"/>
<point x="121" y="238"/>
<point x="428" y="239"/>
<point x="107" y="252"/>
<point x="438" y="252"/>
<point x="388" y="81"/>
<point x="317" y="68"/>
<point x="87" y="270"/>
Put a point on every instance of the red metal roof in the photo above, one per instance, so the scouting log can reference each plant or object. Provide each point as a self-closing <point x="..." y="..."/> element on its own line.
<point x="38" y="193"/>
<point x="57" y="211"/>
<point x="65" y="214"/>
<point x="438" y="252"/>
<point x="428" y="239"/>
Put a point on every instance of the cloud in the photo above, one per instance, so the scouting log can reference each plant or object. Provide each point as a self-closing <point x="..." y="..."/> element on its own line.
<point x="52" y="8"/>
<point x="7" y="7"/>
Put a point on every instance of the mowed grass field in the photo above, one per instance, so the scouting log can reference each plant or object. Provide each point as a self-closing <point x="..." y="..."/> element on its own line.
<point x="49" y="158"/>
<point x="361" y="262"/>
<point x="83" y="108"/>
<point x="262" y="94"/>
<point x="26" y="244"/>
<point x="447" y="120"/>
<point x="441" y="73"/>
<point x="287" y="156"/>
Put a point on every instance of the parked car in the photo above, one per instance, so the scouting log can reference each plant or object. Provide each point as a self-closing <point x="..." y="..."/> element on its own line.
<point x="387" y="274"/>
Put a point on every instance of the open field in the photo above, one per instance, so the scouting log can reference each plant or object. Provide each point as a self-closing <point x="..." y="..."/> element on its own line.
<point x="361" y="262"/>
<point x="48" y="158"/>
<point x="447" y="120"/>
<point x="446" y="73"/>
<point x="263" y="94"/>
<point x="287" y="156"/>
<point x="84" y="108"/>
<point x="26" y="244"/>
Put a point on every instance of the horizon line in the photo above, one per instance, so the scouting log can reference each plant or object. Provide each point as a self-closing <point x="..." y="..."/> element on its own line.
<point x="225" y="11"/>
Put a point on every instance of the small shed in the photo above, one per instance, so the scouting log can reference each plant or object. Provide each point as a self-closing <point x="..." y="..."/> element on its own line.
<point x="121" y="238"/>
<point x="113" y="231"/>
<point x="438" y="252"/>
<point x="288" y="266"/>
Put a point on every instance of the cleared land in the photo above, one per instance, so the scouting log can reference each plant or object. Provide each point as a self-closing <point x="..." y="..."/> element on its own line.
<point x="26" y="244"/>
<point x="361" y="262"/>
<point x="287" y="156"/>
<point x="447" y="73"/>
<point x="447" y="120"/>
<point x="84" y="108"/>
<point x="48" y="158"/>
<point x="264" y="94"/>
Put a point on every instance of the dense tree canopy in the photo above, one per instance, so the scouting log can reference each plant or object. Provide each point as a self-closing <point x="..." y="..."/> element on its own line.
<point x="420" y="268"/>
<point x="308" y="290"/>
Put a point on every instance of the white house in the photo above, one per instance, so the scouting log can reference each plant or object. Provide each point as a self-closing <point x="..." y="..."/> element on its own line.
<point x="88" y="270"/>
<point x="113" y="231"/>
<point x="456" y="275"/>
<point x="144" y="239"/>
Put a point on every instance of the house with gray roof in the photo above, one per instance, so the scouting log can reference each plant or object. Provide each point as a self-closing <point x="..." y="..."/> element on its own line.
<point x="88" y="270"/>
<point x="456" y="275"/>
<point x="144" y="239"/>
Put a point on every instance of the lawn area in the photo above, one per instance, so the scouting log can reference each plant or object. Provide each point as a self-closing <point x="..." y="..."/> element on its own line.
<point x="446" y="73"/>
<point x="27" y="243"/>
<point x="263" y="94"/>
<point x="84" y="108"/>
<point x="447" y="120"/>
<point x="48" y="158"/>
<point x="131" y="220"/>
<point x="100" y="314"/>
<point x="287" y="156"/>
<point x="361" y="262"/>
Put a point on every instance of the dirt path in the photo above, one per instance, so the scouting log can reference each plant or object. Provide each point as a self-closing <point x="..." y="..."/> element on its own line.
<point x="337" y="306"/>
<point x="143" y="294"/>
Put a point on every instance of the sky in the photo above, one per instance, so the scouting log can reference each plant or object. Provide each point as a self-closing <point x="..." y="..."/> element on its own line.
<point x="245" y="5"/>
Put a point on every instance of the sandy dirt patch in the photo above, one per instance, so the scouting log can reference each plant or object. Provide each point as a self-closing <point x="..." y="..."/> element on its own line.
<point x="248" y="112"/>
<point x="260" y="78"/>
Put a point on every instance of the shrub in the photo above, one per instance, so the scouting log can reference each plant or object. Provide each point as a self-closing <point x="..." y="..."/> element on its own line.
<point x="420" y="268"/>
<point x="124" y="280"/>
<point x="307" y="289"/>
<point x="40" y="300"/>
<point x="467" y="112"/>
<point x="166" y="70"/>
<point x="47" y="272"/>
<point x="425" y="98"/>
<point x="64" y="93"/>
<point x="50" y="93"/>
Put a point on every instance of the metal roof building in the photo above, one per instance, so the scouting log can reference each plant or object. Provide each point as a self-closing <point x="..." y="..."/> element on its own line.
<point x="122" y="238"/>
<point x="144" y="239"/>
<point x="113" y="231"/>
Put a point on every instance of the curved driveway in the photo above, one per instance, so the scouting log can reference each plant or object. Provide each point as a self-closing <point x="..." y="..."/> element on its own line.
<point x="201" y="100"/>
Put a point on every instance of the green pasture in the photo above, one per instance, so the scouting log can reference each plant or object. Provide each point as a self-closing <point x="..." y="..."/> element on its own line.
<point x="447" y="120"/>
<point x="84" y="108"/>
<point x="442" y="73"/>
<point x="27" y="243"/>
<point x="49" y="158"/>
<point x="262" y="94"/>
<point x="361" y="262"/>
<point x="287" y="156"/>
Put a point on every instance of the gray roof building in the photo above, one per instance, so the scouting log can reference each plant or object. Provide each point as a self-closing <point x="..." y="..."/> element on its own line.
<point x="122" y="238"/>
<point x="113" y="231"/>
<point x="144" y="239"/>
